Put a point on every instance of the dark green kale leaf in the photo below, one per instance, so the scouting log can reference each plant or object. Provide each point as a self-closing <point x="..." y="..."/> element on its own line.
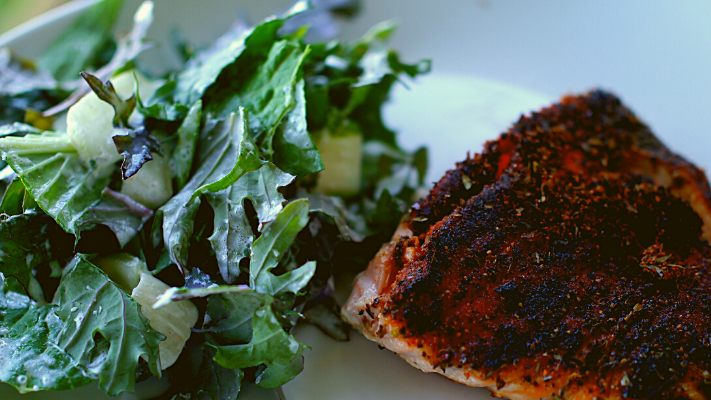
<point x="268" y="93"/>
<point x="240" y="45"/>
<point x="122" y="215"/>
<point x="91" y="331"/>
<point x="233" y="235"/>
<point x="162" y="106"/>
<point x="272" y="245"/>
<point x="31" y="241"/>
<point x="30" y="360"/>
<point x="270" y="345"/>
<point x="63" y="184"/>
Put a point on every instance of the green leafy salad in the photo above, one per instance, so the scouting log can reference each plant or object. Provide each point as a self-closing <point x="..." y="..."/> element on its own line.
<point x="183" y="224"/>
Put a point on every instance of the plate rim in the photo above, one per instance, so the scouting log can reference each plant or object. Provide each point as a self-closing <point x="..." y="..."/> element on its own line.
<point x="66" y="10"/>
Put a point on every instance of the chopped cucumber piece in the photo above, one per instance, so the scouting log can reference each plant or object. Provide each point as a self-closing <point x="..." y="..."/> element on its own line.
<point x="342" y="155"/>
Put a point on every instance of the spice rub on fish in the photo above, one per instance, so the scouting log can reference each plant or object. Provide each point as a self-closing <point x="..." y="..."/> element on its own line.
<point x="567" y="260"/>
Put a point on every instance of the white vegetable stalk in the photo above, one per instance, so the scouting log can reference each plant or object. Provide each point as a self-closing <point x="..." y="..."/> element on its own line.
<point x="175" y="320"/>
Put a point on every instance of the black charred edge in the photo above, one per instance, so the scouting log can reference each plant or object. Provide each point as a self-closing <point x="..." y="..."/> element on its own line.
<point x="629" y="208"/>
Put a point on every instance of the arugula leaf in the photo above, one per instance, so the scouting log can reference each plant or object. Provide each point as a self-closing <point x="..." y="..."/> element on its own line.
<point x="233" y="234"/>
<point x="219" y="148"/>
<point x="276" y="238"/>
<point x="93" y="330"/>
<point x="280" y="372"/>
<point x="136" y="147"/>
<point x="270" y="344"/>
<point x="30" y="241"/>
<point x="294" y="151"/>
<point x="78" y="46"/>
<point x="247" y="159"/>
<point x="104" y="328"/>
<point x="181" y="159"/>
<point x="268" y="94"/>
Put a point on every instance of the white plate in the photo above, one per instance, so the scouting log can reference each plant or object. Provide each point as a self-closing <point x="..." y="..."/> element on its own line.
<point x="550" y="46"/>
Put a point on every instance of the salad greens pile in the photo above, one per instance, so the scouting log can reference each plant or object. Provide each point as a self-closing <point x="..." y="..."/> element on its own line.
<point x="184" y="224"/>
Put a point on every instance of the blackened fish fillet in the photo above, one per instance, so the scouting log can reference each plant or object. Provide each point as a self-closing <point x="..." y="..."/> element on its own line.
<point x="567" y="260"/>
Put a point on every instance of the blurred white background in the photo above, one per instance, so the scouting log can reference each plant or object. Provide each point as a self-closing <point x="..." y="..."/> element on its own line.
<point x="655" y="55"/>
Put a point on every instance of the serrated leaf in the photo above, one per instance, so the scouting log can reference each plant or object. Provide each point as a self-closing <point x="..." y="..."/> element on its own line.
<point x="219" y="149"/>
<point x="276" y="238"/>
<point x="161" y="106"/>
<point x="233" y="236"/>
<point x="229" y="309"/>
<point x="352" y="227"/>
<point x="269" y="345"/>
<point x="203" y="70"/>
<point x="280" y="372"/>
<point x="247" y="158"/>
